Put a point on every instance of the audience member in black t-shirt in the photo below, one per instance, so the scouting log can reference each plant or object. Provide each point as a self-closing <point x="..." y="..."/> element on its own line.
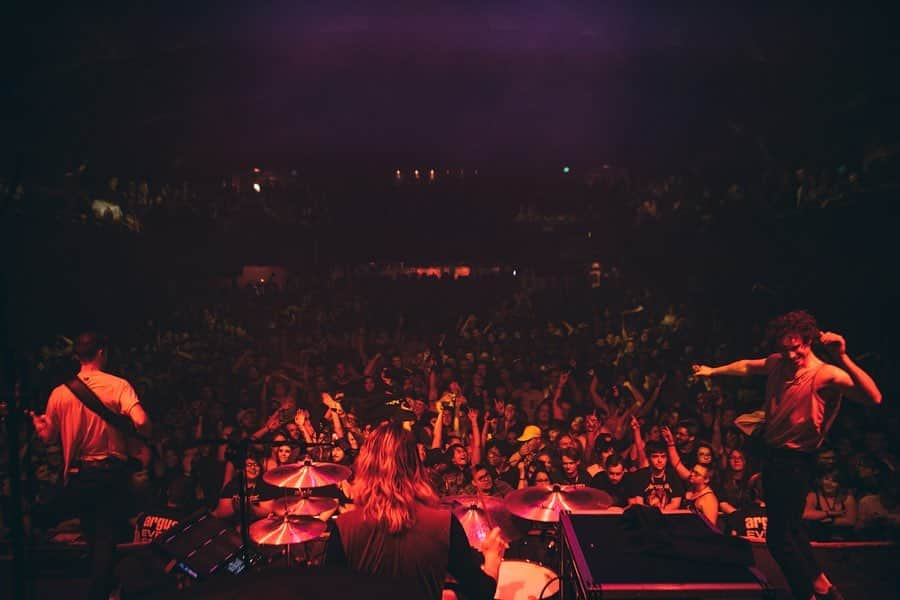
<point x="613" y="480"/>
<point x="571" y="472"/>
<point x="686" y="442"/>
<point x="497" y="454"/>
<point x="657" y="485"/>
<point x="259" y="493"/>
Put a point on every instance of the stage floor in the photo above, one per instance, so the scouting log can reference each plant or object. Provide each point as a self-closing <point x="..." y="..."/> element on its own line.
<point x="863" y="572"/>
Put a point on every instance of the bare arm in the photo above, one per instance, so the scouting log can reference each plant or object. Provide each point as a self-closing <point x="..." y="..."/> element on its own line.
<point x="739" y="368"/>
<point x="709" y="506"/>
<point x="852" y="381"/>
<point x="848" y="517"/>
<point x="370" y="366"/>
<point x="476" y="437"/>
<point x="727" y="508"/>
<point x="437" y="440"/>
<point x="674" y="458"/>
<point x="557" y="394"/>
<point x="43" y="427"/>
<point x="674" y="504"/>
<point x="596" y="398"/>
<point x="716" y="441"/>
<point x="432" y="387"/>
<point x="639" y="446"/>
<point x="336" y="422"/>
<point x="810" y="512"/>
<point x="272" y="423"/>
<point x="646" y="408"/>
<point x="140" y="420"/>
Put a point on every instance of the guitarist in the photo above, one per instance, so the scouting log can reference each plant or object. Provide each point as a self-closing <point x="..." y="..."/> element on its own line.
<point x="94" y="415"/>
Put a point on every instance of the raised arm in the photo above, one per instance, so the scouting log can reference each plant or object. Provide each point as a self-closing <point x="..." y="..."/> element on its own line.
<point x="654" y="396"/>
<point x="716" y="441"/>
<point x="674" y="458"/>
<point x="371" y="365"/>
<point x="437" y="438"/>
<point x="557" y="394"/>
<point x="272" y="423"/>
<point x="597" y="400"/>
<point x="476" y="444"/>
<point x="850" y="379"/>
<point x="639" y="446"/>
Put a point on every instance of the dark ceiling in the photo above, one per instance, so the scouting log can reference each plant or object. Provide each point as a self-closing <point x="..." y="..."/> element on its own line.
<point x="151" y="85"/>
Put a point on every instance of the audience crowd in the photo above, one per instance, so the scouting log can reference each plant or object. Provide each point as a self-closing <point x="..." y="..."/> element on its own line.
<point x="506" y="383"/>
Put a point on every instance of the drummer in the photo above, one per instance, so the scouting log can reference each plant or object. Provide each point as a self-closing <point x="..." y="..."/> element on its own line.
<point x="483" y="483"/>
<point x="397" y="529"/>
<point x="259" y="493"/>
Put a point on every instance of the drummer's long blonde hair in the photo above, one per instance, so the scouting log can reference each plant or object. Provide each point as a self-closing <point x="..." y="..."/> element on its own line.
<point x="390" y="479"/>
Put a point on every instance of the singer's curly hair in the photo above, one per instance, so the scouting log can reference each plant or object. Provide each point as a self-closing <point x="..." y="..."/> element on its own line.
<point x="797" y="322"/>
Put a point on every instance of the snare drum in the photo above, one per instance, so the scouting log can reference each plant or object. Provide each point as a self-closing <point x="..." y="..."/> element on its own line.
<point x="524" y="580"/>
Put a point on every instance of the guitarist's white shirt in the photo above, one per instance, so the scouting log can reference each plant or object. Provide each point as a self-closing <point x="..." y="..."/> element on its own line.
<point x="84" y="435"/>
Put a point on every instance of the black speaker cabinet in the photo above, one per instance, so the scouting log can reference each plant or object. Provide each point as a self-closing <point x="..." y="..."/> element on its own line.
<point x="646" y="554"/>
<point x="202" y="546"/>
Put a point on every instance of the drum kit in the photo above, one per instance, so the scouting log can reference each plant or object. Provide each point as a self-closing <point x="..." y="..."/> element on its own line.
<point x="297" y="519"/>
<point x="527" y="519"/>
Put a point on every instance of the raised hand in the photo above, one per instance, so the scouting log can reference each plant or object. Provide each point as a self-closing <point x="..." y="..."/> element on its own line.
<point x="835" y="342"/>
<point x="274" y="422"/>
<point x="667" y="436"/>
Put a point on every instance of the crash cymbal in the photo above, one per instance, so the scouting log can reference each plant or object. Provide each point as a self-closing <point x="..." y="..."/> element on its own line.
<point x="465" y="502"/>
<point x="479" y="514"/>
<point x="277" y="531"/>
<point x="544" y="503"/>
<point x="307" y="474"/>
<point x="299" y="505"/>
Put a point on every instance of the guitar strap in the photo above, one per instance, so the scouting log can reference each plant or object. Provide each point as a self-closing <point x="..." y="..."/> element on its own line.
<point x="90" y="400"/>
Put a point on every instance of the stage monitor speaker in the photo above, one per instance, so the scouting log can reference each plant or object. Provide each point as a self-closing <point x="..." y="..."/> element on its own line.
<point x="202" y="546"/>
<point x="643" y="553"/>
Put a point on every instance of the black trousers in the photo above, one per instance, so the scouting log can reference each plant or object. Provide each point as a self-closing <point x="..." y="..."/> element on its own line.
<point x="786" y="475"/>
<point x="100" y="498"/>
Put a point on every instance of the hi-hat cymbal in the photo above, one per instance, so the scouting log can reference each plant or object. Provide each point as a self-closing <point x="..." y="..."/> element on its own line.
<point x="299" y="505"/>
<point x="479" y="514"/>
<point x="544" y="503"/>
<point x="277" y="531"/>
<point x="307" y="474"/>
